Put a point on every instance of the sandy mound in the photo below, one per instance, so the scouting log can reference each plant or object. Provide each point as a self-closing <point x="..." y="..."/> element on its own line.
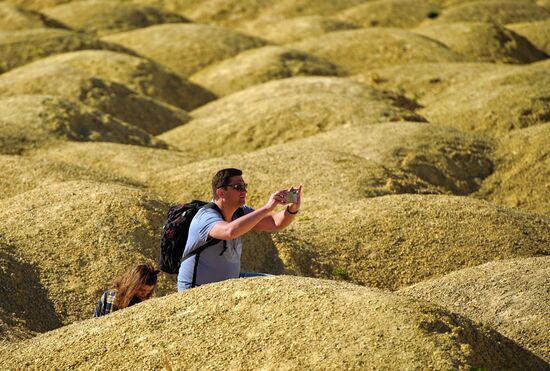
<point x="186" y="48"/>
<point x="275" y="323"/>
<point x="62" y="80"/>
<point x="495" y="103"/>
<point x="522" y="176"/>
<point x="363" y="161"/>
<point x="283" y="110"/>
<point x="79" y="236"/>
<point x="236" y="13"/>
<point x="397" y="240"/>
<point x="260" y="65"/>
<point x="26" y="309"/>
<point x="36" y="4"/>
<point x="13" y="18"/>
<point x="141" y="75"/>
<point x="104" y="17"/>
<point x="20" y="47"/>
<point x="296" y="29"/>
<point x="495" y="11"/>
<point x="281" y="166"/>
<point x="360" y="50"/>
<point x="511" y="296"/>
<point x="391" y="13"/>
<point x="538" y="33"/>
<point x="134" y="163"/>
<point x="22" y="173"/>
<point x="448" y="159"/>
<point x="484" y="42"/>
<point x="32" y="121"/>
<point x="424" y="82"/>
<point x="428" y="79"/>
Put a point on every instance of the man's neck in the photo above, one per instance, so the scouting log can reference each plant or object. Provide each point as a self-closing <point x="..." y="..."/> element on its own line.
<point x="227" y="212"/>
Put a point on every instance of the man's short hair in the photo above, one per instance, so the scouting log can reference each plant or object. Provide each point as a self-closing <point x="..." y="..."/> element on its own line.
<point x="221" y="179"/>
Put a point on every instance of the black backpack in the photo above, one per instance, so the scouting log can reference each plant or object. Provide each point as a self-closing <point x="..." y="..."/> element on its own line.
<point x="176" y="230"/>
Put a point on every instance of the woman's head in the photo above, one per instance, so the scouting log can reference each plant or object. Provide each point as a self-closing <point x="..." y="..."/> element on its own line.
<point x="139" y="281"/>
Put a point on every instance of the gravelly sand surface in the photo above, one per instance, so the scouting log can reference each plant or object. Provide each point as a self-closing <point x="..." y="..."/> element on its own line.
<point x="419" y="130"/>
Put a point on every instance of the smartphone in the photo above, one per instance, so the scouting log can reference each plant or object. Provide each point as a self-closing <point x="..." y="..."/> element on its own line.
<point x="291" y="196"/>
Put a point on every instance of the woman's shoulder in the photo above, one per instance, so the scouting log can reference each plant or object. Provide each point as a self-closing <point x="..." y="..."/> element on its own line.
<point x="106" y="304"/>
<point x="111" y="293"/>
<point x="109" y="296"/>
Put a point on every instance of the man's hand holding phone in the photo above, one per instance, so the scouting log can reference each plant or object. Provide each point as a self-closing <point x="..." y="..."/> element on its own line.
<point x="292" y="199"/>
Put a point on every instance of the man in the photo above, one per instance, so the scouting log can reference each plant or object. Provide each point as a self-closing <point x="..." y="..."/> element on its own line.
<point x="222" y="261"/>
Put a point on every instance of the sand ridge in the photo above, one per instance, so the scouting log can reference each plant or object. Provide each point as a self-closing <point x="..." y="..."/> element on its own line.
<point x="58" y="79"/>
<point x="509" y="295"/>
<point x="243" y="324"/>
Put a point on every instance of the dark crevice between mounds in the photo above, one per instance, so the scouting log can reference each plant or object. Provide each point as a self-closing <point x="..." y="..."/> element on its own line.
<point x="260" y="254"/>
<point x="399" y="98"/>
<point x="459" y="170"/>
<point x="301" y="256"/>
<point x="24" y="298"/>
<point x="478" y="337"/>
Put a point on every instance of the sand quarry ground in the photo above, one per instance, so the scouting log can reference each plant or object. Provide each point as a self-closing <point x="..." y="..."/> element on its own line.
<point x="420" y="130"/>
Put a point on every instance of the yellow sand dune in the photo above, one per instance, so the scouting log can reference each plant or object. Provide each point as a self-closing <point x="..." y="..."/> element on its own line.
<point x="538" y="33"/>
<point x="484" y="42"/>
<point x="284" y="110"/>
<point x="14" y="18"/>
<point x="284" y="31"/>
<point x="495" y="103"/>
<point x="186" y="48"/>
<point x="24" y="46"/>
<point x="103" y="17"/>
<point x="30" y="121"/>
<point x="397" y="240"/>
<point x="139" y="74"/>
<point x="79" y="235"/>
<point x="495" y="11"/>
<point x="275" y="323"/>
<point x="256" y="66"/>
<point x="364" y="49"/>
<point x="391" y="13"/>
<point x="522" y="174"/>
<point x="510" y="295"/>
<point x="62" y="80"/>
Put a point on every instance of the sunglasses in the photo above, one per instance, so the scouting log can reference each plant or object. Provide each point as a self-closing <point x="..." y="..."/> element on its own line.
<point x="239" y="187"/>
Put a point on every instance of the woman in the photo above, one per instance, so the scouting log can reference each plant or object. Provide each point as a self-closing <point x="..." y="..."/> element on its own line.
<point x="133" y="286"/>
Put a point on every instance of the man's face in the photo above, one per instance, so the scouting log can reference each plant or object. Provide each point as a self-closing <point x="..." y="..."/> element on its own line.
<point x="235" y="192"/>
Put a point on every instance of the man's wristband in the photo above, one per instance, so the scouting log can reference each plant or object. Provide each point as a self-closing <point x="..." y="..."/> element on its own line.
<point x="290" y="212"/>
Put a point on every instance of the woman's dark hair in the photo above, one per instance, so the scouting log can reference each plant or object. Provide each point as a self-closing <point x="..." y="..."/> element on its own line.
<point x="128" y="283"/>
<point x="221" y="178"/>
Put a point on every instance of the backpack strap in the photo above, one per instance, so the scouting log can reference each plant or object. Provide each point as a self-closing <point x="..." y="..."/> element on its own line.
<point x="194" y="281"/>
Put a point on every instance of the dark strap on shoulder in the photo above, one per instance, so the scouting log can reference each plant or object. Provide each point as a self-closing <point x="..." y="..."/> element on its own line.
<point x="194" y="281"/>
<point x="212" y="205"/>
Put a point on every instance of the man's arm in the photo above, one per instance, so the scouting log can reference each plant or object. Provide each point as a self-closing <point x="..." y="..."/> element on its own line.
<point x="223" y="230"/>
<point x="230" y="230"/>
<point x="276" y="222"/>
